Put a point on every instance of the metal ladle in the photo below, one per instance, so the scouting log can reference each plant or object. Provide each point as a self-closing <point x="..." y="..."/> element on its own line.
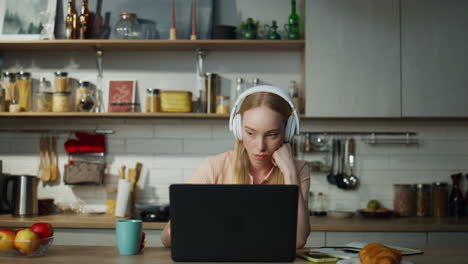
<point x="352" y="181"/>
<point x="331" y="176"/>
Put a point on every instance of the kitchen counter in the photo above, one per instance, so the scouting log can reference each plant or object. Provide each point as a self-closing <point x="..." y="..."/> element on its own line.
<point x="104" y="255"/>
<point x="355" y="224"/>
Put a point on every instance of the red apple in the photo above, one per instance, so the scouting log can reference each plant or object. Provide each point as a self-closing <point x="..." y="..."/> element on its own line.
<point x="7" y="236"/>
<point x="26" y="241"/>
<point x="43" y="230"/>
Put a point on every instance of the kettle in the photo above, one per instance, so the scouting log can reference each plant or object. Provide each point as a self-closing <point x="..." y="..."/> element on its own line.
<point x="21" y="198"/>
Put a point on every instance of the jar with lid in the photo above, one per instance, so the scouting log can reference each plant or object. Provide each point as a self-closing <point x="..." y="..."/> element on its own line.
<point x="404" y="202"/>
<point x="423" y="199"/>
<point x="84" y="99"/>
<point x="61" y="102"/>
<point x="153" y="100"/>
<point x="319" y="207"/>
<point x="61" y="82"/>
<point x="439" y="199"/>
<point x="24" y="86"/>
<point x="222" y="104"/>
<point x="128" y="27"/>
<point x="43" y="97"/>
<point x="9" y="85"/>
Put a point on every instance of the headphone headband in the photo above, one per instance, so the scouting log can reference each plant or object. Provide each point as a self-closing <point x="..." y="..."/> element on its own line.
<point x="268" y="89"/>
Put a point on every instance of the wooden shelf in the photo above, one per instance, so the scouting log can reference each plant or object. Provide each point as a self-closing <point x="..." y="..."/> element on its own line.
<point x="152" y="45"/>
<point x="114" y="115"/>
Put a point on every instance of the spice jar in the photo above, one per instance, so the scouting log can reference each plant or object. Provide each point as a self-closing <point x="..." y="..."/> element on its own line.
<point x="23" y="84"/>
<point x="84" y="101"/>
<point x="82" y="89"/>
<point x="153" y="100"/>
<point x="404" y="199"/>
<point x="9" y="84"/>
<point x="61" y="102"/>
<point x="111" y="199"/>
<point x="423" y="199"/>
<point x="222" y="104"/>
<point x="61" y="82"/>
<point x="439" y="199"/>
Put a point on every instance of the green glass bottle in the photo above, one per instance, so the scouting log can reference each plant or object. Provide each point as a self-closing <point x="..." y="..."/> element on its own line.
<point x="292" y="28"/>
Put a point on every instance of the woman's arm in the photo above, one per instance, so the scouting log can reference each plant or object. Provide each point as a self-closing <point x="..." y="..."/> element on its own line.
<point x="285" y="162"/>
<point x="166" y="235"/>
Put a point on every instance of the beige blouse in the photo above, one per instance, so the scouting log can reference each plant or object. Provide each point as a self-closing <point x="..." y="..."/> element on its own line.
<point x="218" y="170"/>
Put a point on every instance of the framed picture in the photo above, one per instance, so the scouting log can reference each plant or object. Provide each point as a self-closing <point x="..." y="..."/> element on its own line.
<point x="26" y="19"/>
<point x="122" y="96"/>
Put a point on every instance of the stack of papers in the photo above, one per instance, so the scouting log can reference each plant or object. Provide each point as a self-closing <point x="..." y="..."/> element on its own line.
<point x="351" y="250"/>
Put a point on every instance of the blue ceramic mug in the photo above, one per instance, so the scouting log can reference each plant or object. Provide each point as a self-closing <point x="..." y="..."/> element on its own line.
<point x="128" y="234"/>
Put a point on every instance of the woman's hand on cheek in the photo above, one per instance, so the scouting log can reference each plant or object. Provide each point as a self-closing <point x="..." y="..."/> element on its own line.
<point x="282" y="157"/>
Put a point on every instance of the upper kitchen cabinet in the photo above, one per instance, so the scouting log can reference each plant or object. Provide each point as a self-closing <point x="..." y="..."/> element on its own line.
<point x="434" y="45"/>
<point x="352" y="58"/>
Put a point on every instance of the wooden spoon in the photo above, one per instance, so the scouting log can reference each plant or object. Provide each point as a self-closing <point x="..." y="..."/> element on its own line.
<point x="40" y="171"/>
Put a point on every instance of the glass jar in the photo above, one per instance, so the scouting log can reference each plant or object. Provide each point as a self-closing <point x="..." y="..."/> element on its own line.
<point x="423" y="199"/>
<point x="9" y="84"/>
<point x="24" y="86"/>
<point x="61" y="102"/>
<point x="211" y="88"/>
<point x="111" y="199"/>
<point x="153" y="100"/>
<point x="61" y="82"/>
<point x="404" y="199"/>
<point x="128" y="27"/>
<point x="222" y="104"/>
<point x="84" y="99"/>
<point x="439" y="199"/>
<point x="43" y="101"/>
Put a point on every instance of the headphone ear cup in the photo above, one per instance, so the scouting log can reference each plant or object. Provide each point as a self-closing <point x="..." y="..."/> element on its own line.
<point x="237" y="129"/>
<point x="290" y="129"/>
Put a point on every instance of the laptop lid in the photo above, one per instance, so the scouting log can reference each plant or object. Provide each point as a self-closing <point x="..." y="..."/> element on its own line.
<point x="233" y="222"/>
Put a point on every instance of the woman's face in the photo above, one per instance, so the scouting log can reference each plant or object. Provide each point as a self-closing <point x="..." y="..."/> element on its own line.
<point x="262" y="134"/>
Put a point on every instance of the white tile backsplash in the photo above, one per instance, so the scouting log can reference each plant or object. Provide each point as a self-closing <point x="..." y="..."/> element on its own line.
<point x="171" y="150"/>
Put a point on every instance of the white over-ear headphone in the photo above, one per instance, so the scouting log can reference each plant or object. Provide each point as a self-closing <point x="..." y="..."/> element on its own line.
<point x="235" y="120"/>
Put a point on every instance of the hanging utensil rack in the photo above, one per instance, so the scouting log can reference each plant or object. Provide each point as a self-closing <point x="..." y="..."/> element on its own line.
<point x="373" y="137"/>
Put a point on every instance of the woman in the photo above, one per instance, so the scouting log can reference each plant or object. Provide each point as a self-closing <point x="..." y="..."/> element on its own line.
<point x="263" y="124"/>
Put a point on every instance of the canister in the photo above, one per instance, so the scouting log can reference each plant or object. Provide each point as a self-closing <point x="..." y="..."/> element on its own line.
<point x="2" y="99"/>
<point x="61" y="82"/>
<point x="82" y="90"/>
<point x="24" y="86"/>
<point x="439" y="199"/>
<point x="423" y="199"/>
<point x="222" y="104"/>
<point x="43" y="101"/>
<point x="9" y="84"/>
<point x="404" y="202"/>
<point x="61" y="102"/>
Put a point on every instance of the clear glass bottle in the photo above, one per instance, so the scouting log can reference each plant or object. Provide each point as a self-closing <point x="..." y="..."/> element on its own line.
<point x="319" y="207"/>
<point x="239" y="87"/>
<point x="404" y="202"/>
<point x="128" y="27"/>
<point x="456" y="201"/>
<point x="153" y="100"/>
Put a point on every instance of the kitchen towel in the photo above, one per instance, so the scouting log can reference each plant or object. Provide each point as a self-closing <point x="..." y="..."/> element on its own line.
<point x="123" y="194"/>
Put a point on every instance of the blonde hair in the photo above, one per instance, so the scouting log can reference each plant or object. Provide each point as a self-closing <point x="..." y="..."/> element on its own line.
<point x="240" y="160"/>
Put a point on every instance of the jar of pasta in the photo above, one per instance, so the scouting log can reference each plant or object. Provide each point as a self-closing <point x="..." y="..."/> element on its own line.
<point x="222" y="104"/>
<point x="439" y="199"/>
<point x="61" y="82"/>
<point x="24" y="86"/>
<point x="61" y="102"/>
<point x="9" y="85"/>
<point x="153" y="100"/>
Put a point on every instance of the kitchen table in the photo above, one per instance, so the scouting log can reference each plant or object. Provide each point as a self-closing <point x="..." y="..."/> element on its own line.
<point x="153" y="255"/>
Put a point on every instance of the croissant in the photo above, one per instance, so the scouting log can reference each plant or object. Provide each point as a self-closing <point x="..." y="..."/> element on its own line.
<point x="376" y="253"/>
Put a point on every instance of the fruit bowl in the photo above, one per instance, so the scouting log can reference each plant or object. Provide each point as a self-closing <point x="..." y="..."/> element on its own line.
<point x="10" y="248"/>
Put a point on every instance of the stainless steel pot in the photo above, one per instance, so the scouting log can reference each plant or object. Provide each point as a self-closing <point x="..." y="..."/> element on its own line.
<point x="24" y="195"/>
